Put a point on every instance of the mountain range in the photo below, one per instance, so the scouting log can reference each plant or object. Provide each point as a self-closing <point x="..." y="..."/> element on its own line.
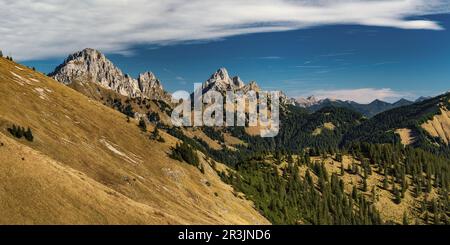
<point x="89" y="65"/>
<point x="88" y="144"/>
<point x="369" y="110"/>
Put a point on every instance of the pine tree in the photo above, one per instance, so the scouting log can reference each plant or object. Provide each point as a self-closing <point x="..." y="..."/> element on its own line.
<point x="426" y="217"/>
<point x="397" y="197"/>
<point x="29" y="135"/>
<point x="428" y="186"/>
<point x="184" y="152"/>
<point x="385" y="181"/>
<point x="155" y="134"/>
<point x="307" y="159"/>
<point x="20" y="132"/>
<point x="354" y="193"/>
<point x="308" y="177"/>
<point x="142" y="125"/>
<point x="365" y="184"/>
<point x="436" y="212"/>
<point x="16" y="131"/>
<point x="12" y="130"/>
<point x="322" y="184"/>
<point x="436" y="219"/>
<point x="405" y="219"/>
<point x="374" y="195"/>
<point x="290" y="159"/>
<point x="339" y="157"/>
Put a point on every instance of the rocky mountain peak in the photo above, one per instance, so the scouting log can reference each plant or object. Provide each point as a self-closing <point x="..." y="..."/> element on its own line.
<point x="221" y="82"/>
<point x="87" y="54"/>
<point x="90" y="65"/>
<point x="237" y="82"/>
<point x="251" y="86"/>
<point x="422" y="98"/>
<point x="151" y="86"/>
<point x="148" y="80"/>
<point x="307" y="102"/>
<point x="221" y="74"/>
<point x="378" y="102"/>
<point x="90" y="52"/>
<point x="402" y="102"/>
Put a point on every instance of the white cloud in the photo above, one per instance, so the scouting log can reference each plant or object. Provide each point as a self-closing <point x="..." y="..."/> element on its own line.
<point x="32" y="29"/>
<point x="362" y="95"/>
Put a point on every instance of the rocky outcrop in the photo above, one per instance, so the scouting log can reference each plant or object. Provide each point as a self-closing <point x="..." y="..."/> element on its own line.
<point x="307" y="102"/>
<point x="221" y="82"/>
<point x="151" y="87"/>
<point x="251" y="86"/>
<point x="89" y="65"/>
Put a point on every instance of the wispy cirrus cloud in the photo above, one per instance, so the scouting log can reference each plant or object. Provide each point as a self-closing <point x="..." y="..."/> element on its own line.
<point x="270" y="58"/>
<point x="32" y="29"/>
<point x="362" y="95"/>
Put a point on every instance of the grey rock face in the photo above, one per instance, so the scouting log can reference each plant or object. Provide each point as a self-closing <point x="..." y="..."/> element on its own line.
<point x="220" y="81"/>
<point x="307" y="102"/>
<point x="89" y="65"/>
<point x="251" y="86"/>
<point x="150" y="86"/>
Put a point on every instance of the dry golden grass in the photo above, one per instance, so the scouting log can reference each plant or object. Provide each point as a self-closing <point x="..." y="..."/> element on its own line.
<point x="39" y="190"/>
<point x="327" y="125"/>
<point x="232" y="141"/>
<point x="439" y="126"/>
<point x="405" y="135"/>
<point x="75" y="134"/>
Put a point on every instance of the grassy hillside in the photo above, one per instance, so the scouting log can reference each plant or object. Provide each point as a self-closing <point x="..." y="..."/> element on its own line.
<point x="89" y="163"/>
<point x="39" y="190"/>
<point x="333" y="166"/>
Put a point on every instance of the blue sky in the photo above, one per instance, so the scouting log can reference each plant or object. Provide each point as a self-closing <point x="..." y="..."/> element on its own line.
<point x="318" y="60"/>
<point x="348" y="49"/>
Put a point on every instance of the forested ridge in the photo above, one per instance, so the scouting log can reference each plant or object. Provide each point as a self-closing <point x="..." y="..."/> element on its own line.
<point x="380" y="128"/>
<point x="267" y="169"/>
